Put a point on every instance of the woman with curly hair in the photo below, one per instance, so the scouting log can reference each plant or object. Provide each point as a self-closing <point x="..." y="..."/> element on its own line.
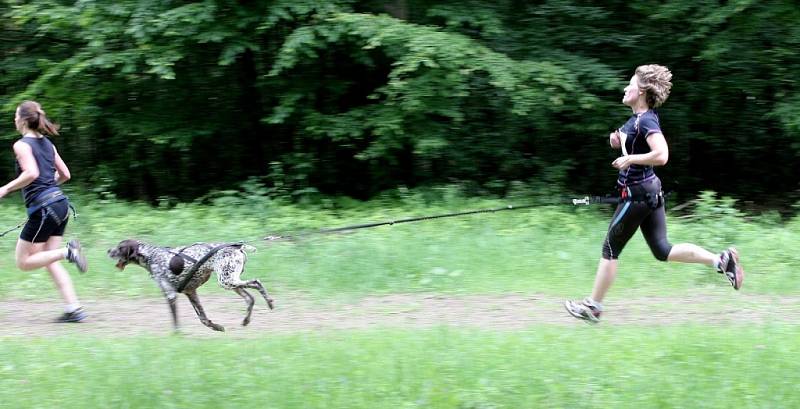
<point x="641" y="200"/>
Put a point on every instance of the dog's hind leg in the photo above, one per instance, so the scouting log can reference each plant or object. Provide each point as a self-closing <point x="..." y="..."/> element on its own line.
<point x="256" y="285"/>
<point x="250" y="302"/>
<point x="228" y="278"/>
<point x="192" y="295"/>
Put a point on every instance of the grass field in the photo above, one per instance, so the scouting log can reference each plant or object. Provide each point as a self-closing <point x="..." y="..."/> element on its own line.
<point x="542" y="367"/>
<point x="547" y="250"/>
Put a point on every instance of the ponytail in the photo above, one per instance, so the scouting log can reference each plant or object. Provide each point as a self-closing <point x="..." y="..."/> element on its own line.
<point x="45" y="126"/>
<point x="33" y="117"/>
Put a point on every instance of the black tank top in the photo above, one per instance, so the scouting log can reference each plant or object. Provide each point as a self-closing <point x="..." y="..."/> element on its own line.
<point x="45" y="155"/>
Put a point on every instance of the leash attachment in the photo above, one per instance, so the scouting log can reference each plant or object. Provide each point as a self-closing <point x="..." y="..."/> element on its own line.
<point x="588" y="200"/>
<point x="651" y="200"/>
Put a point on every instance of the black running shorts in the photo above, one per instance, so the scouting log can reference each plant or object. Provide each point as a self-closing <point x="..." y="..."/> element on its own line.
<point x="39" y="229"/>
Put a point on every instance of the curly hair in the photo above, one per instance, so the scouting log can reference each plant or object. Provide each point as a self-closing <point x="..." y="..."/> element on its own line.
<point x="654" y="80"/>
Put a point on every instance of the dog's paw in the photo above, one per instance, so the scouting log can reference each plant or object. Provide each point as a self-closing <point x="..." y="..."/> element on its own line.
<point x="217" y="327"/>
<point x="270" y="304"/>
<point x="245" y="321"/>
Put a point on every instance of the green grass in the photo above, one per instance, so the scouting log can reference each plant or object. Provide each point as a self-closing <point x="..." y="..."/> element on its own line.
<point x="542" y="250"/>
<point x="549" y="249"/>
<point x="543" y="367"/>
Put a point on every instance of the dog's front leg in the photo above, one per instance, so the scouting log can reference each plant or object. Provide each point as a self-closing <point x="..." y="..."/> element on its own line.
<point x="171" y="295"/>
<point x="192" y="295"/>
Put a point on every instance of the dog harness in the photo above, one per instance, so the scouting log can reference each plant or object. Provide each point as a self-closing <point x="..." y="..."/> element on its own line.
<point x="177" y="262"/>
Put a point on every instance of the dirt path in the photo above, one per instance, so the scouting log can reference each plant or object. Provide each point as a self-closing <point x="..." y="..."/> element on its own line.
<point x="125" y="317"/>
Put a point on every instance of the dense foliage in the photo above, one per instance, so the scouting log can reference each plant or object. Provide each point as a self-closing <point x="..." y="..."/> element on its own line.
<point x="177" y="99"/>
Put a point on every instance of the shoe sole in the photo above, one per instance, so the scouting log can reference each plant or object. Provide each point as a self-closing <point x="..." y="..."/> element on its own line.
<point x="69" y="321"/>
<point x="739" y="274"/>
<point x="72" y="320"/>
<point x="590" y="320"/>
<point x="81" y="262"/>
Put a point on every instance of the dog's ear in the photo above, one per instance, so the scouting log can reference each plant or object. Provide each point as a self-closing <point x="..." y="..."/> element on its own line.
<point x="129" y="249"/>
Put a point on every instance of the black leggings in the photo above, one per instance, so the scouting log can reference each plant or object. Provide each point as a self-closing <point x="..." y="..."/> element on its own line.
<point x="631" y="215"/>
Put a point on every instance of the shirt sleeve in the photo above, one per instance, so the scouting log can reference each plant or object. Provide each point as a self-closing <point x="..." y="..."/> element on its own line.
<point x="648" y="124"/>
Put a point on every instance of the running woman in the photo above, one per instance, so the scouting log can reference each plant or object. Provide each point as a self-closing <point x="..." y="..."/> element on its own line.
<point x="40" y="171"/>
<point x="641" y="200"/>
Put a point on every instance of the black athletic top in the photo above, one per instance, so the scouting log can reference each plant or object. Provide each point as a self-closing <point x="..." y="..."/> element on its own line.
<point x="633" y="136"/>
<point x="45" y="155"/>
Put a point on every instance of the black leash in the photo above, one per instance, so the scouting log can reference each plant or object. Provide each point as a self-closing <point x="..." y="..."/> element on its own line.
<point x="14" y="228"/>
<point x="586" y="200"/>
<point x="193" y="269"/>
<point x="392" y="222"/>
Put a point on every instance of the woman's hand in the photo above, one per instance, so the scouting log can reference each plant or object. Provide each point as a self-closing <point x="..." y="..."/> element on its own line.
<point x="623" y="162"/>
<point x="3" y="191"/>
<point x="613" y="139"/>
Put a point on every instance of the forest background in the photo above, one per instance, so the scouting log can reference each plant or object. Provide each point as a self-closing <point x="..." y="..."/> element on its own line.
<point x="173" y="101"/>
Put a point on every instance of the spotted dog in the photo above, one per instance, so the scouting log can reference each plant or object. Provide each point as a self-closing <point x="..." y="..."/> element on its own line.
<point x="185" y="269"/>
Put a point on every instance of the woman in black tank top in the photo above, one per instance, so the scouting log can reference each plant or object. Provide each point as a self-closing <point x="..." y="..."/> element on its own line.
<point x="40" y="171"/>
<point x="641" y="206"/>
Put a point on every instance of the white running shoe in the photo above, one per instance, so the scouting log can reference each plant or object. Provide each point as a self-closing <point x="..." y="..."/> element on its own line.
<point x="585" y="309"/>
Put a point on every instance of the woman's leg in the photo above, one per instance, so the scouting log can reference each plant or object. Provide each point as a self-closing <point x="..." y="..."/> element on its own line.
<point x="654" y="229"/>
<point x="606" y="273"/>
<point x="624" y="224"/>
<point x="691" y="253"/>
<point x="31" y="256"/>
<point x="60" y="275"/>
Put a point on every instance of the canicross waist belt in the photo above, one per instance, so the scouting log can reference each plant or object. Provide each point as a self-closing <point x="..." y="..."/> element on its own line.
<point x="46" y="200"/>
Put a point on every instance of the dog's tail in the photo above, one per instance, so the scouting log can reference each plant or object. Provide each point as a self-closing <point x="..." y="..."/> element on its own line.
<point x="247" y="247"/>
